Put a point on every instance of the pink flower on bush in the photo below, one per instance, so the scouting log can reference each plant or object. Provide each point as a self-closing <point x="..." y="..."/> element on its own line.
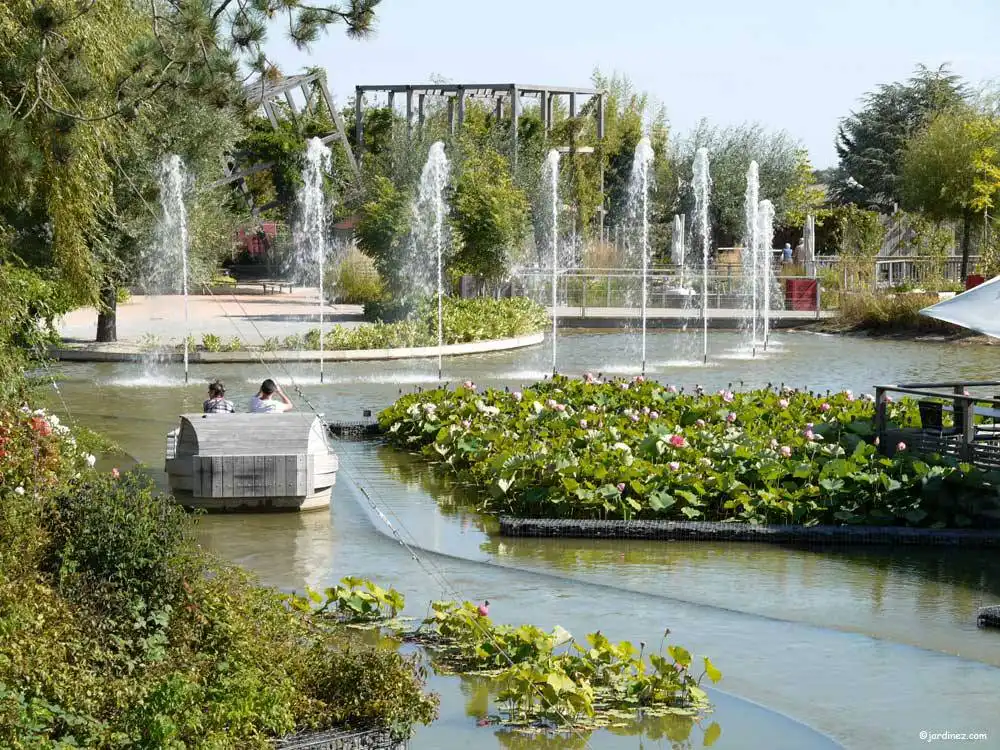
<point x="786" y="451"/>
<point x="677" y="441"/>
<point x="469" y="384"/>
<point x="731" y="417"/>
<point x="727" y="396"/>
<point x="623" y="386"/>
<point x="517" y="395"/>
<point x="674" y="466"/>
<point x="634" y="417"/>
<point x="824" y="407"/>
<point x="654" y="415"/>
<point x="671" y="389"/>
<point x="809" y="434"/>
<point x="588" y="377"/>
<point x="560" y="407"/>
<point x="888" y="398"/>
<point x="551" y="403"/>
<point x="640" y="379"/>
<point x="700" y="423"/>
<point x="583" y="423"/>
<point x="621" y="486"/>
<point x="850" y="395"/>
<point x="901" y="446"/>
<point x="115" y="473"/>
<point x="41" y="426"/>
<point x="783" y="403"/>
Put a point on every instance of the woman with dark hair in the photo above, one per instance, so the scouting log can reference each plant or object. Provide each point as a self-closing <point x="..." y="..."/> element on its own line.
<point x="216" y="402"/>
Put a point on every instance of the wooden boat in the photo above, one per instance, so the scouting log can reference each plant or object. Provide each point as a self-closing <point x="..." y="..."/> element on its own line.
<point x="251" y="462"/>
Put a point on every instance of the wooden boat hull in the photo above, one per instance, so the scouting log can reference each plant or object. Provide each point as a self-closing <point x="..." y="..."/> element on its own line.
<point x="251" y="462"/>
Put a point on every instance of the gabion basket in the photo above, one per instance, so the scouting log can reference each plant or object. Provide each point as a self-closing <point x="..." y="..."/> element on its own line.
<point x="369" y="739"/>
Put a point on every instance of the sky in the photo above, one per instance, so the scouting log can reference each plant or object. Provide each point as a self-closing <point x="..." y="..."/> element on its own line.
<point x="797" y="65"/>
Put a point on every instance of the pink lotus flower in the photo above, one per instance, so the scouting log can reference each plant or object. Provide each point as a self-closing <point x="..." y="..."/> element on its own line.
<point x="809" y="434"/>
<point x="674" y="466"/>
<point x="901" y="446"/>
<point x="877" y="441"/>
<point x="583" y="423"/>
<point x="731" y="417"/>
<point x="560" y="407"/>
<point x="654" y="415"/>
<point x="484" y="609"/>
<point x="469" y="384"/>
<point x="115" y="473"/>
<point x="623" y="386"/>
<point x="551" y="403"/>
<point x="783" y="403"/>
<point x="621" y="486"/>
<point x="671" y="389"/>
<point x="634" y="417"/>
<point x="588" y="377"/>
<point x="824" y="407"/>
<point x="677" y="441"/>
<point x="727" y="396"/>
<point x="700" y="423"/>
<point x="786" y="451"/>
<point x="517" y="395"/>
<point x="639" y="379"/>
<point x="888" y="398"/>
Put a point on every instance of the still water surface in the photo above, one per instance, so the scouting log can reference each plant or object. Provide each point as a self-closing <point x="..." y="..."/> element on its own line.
<point x="867" y="645"/>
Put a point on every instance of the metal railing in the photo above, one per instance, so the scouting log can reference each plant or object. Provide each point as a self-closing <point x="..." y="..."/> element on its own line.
<point x="665" y="288"/>
<point x="972" y="434"/>
<point x="855" y="274"/>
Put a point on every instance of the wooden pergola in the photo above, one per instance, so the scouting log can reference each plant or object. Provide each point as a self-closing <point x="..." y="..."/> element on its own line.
<point x="503" y="96"/>
<point x="304" y="95"/>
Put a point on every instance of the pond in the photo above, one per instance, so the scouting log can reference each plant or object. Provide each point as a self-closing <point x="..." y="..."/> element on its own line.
<point x="868" y="646"/>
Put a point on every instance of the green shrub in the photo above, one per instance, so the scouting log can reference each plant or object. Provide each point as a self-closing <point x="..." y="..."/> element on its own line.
<point x="211" y="342"/>
<point x="890" y="313"/>
<point x="356" y="279"/>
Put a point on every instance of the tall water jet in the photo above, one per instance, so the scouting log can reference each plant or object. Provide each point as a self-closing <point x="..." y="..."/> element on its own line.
<point x="171" y="252"/>
<point x="765" y="238"/>
<point x="309" y="233"/>
<point x="428" y="232"/>
<point x="702" y="183"/>
<point x="677" y="245"/>
<point x="638" y="210"/>
<point x="550" y="180"/>
<point x="750" y="259"/>
<point x="809" y="245"/>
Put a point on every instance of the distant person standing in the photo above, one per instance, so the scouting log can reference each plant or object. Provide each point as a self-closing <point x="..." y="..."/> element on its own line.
<point x="270" y="399"/>
<point x="786" y="254"/>
<point x="800" y="252"/>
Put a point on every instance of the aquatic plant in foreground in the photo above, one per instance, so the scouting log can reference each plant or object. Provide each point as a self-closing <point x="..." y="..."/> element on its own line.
<point x="591" y="448"/>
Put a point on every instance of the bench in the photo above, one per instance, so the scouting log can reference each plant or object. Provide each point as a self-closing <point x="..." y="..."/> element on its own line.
<point x="276" y="286"/>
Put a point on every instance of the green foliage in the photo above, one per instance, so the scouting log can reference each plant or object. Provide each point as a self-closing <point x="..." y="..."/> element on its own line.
<point x="490" y="216"/>
<point x="551" y="677"/>
<point x="890" y="313"/>
<point x="731" y="150"/>
<point x="591" y="449"/>
<point x="353" y="600"/>
<point x="871" y="142"/>
<point x="384" y="230"/>
<point x="211" y="343"/>
<point x="804" y="197"/>
<point x="115" y="630"/>
<point x="356" y="279"/>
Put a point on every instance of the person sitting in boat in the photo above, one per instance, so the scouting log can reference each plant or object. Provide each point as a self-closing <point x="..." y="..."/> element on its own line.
<point x="270" y="399"/>
<point x="216" y="402"/>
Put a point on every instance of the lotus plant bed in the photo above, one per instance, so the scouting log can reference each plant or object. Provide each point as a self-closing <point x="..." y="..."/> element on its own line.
<point x="548" y="680"/>
<point x="635" y="449"/>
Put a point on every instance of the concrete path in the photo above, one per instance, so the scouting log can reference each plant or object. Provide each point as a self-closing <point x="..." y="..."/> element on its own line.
<point x="247" y="314"/>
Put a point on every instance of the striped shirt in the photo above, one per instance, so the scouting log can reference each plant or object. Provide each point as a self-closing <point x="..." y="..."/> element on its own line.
<point x="218" y="406"/>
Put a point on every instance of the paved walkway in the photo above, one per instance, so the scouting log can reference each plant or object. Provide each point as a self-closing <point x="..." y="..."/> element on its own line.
<point x="246" y="315"/>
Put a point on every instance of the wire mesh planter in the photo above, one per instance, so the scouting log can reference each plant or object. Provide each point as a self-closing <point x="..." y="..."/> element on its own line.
<point x="335" y="739"/>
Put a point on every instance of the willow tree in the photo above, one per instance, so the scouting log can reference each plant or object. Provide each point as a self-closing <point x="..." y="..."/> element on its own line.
<point x="92" y="93"/>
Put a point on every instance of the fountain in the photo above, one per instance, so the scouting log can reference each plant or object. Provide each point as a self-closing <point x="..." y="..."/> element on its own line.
<point x="750" y="259"/>
<point x="550" y="179"/>
<point x="168" y="260"/>
<point x="428" y="232"/>
<point x="677" y="246"/>
<point x="638" y="213"/>
<point x="702" y="182"/>
<point x="310" y="226"/>
<point x="765" y="237"/>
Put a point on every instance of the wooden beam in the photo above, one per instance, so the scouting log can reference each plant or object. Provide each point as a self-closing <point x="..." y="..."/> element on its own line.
<point x="338" y="122"/>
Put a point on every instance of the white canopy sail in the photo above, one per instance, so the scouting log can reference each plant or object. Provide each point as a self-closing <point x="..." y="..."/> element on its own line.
<point x="977" y="309"/>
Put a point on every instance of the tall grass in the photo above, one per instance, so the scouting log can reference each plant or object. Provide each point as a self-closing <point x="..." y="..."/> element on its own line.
<point x="890" y="313"/>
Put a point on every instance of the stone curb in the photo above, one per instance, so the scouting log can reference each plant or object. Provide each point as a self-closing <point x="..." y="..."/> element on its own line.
<point x="740" y="532"/>
<point x="89" y="354"/>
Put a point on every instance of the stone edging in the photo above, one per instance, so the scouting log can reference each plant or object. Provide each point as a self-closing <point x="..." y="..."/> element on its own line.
<point x="89" y="353"/>
<point x="741" y="532"/>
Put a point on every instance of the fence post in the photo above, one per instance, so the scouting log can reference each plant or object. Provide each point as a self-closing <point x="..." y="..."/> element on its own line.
<point x="819" y="297"/>
<point x="608" y="300"/>
<point x="586" y="283"/>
